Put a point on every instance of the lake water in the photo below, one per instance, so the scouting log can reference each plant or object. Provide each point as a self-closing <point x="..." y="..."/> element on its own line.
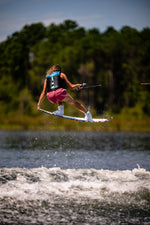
<point x="74" y="177"/>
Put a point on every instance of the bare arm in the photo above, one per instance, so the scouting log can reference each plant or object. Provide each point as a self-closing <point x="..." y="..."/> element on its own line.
<point x="42" y="96"/>
<point x="69" y="84"/>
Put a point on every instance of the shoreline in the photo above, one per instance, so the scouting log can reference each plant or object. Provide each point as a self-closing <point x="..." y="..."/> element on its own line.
<point x="54" y="124"/>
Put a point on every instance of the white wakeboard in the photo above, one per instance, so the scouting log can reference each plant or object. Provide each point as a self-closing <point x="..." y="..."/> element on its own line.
<point x="94" y="120"/>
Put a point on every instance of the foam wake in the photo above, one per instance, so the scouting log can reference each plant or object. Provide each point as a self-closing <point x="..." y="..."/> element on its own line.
<point x="50" y="196"/>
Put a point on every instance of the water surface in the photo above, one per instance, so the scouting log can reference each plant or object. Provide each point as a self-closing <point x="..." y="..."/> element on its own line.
<point x="74" y="178"/>
<point x="75" y="150"/>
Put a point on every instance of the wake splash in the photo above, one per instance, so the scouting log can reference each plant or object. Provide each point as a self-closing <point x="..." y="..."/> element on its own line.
<point x="74" y="196"/>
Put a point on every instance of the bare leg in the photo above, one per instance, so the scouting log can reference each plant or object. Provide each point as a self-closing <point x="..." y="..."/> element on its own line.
<point x="71" y="101"/>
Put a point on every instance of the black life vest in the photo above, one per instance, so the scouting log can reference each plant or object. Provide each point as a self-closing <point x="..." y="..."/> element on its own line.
<point x="54" y="81"/>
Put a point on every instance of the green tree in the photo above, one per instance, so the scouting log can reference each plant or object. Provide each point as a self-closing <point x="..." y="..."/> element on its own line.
<point x="119" y="60"/>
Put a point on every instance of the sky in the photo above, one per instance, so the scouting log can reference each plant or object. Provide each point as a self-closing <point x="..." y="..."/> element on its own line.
<point x="100" y="14"/>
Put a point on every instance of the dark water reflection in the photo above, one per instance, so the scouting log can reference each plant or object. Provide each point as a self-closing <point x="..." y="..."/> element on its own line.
<point x="31" y="149"/>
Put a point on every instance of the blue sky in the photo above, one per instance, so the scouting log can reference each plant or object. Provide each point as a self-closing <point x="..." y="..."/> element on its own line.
<point x="14" y="14"/>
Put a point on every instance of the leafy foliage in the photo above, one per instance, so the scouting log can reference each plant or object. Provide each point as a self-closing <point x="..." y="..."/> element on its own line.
<point x="119" y="60"/>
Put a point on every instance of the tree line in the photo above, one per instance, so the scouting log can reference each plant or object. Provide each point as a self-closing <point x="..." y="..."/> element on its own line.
<point x="119" y="60"/>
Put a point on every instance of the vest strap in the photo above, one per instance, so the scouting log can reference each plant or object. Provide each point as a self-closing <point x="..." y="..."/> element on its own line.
<point x="52" y="75"/>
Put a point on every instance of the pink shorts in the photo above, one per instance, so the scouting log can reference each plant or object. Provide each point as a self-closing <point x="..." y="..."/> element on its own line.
<point x="57" y="95"/>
